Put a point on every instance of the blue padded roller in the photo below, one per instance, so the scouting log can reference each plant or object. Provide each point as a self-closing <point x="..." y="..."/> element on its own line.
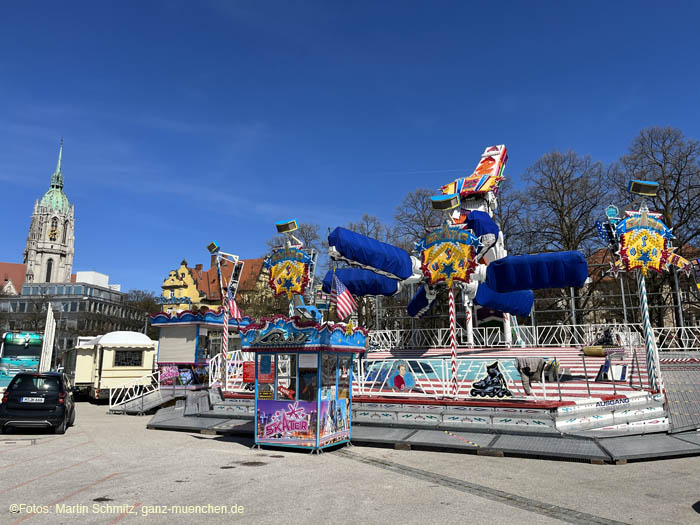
<point x="533" y="272"/>
<point x="362" y="282"/>
<point x="371" y="253"/>
<point x="517" y="303"/>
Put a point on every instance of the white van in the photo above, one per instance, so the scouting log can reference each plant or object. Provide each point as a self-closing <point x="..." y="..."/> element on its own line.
<point x="99" y="364"/>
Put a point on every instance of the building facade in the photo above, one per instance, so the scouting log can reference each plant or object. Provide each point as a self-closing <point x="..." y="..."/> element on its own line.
<point x="48" y="255"/>
<point x="195" y="288"/>
<point x="80" y="309"/>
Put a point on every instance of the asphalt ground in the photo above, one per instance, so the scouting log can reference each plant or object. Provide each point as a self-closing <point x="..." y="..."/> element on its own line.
<point x="111" y="469"/>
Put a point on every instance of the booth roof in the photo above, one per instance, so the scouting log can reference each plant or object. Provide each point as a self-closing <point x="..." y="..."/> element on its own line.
<point x="124" y="339"/>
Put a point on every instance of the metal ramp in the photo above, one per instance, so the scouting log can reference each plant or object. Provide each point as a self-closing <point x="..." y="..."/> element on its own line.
<point x="682" y="381"/>
<point x="146" y="402"/>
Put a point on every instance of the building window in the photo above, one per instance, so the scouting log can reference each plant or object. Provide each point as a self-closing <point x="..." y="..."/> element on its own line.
<point x="128" y="357"/>
<point x="49" y="266"/>
<point x="53" y="232"/>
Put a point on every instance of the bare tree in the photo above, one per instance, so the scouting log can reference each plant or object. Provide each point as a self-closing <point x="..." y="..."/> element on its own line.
<point x="510" y="216"/>
<point x="371" y="226"/>
<point x="563" y="199"/>
<point x="414" y="216"/>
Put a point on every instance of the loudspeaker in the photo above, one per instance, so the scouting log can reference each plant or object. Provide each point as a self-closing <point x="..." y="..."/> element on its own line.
<point x="643" y="187"/>
<point x="286" y="226"/>
<point x="445" y="202"/>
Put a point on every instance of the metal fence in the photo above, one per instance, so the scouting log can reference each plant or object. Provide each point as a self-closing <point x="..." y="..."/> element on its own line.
<point x="667" y="338"/>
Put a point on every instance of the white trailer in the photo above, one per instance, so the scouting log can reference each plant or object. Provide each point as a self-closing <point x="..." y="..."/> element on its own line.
<point x="101" y="363"/>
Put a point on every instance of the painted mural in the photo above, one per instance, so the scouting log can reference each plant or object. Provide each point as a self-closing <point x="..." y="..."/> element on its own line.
<point x="287" y="423"/>
<point x="334" y="421"/>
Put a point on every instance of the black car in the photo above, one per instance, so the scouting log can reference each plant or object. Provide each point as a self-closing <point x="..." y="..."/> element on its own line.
<point x="38" y="399"/>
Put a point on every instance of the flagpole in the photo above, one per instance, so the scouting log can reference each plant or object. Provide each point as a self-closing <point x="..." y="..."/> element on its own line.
<point x="330" y="299"/>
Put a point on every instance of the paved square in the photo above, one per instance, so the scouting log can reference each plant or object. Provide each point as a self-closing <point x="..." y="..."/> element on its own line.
<point x="109" y="465"/>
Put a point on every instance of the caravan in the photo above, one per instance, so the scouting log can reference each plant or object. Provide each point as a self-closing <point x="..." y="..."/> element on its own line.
<point x="99" y="364"/>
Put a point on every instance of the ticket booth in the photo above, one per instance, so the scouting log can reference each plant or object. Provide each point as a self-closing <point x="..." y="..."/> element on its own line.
<point x="303" y="381"/>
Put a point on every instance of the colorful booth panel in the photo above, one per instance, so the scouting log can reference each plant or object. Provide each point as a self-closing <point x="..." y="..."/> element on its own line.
<point x="184" y="374"/>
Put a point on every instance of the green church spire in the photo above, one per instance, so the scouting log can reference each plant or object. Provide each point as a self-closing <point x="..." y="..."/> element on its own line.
<point x="57" y="177"/>
<point x="55" y="199"/>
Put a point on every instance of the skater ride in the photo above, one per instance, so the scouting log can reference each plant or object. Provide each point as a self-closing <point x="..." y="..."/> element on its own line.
<point x="507" y="367"/>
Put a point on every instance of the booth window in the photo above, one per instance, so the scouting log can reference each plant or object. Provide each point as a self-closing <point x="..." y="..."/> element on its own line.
<point x="128" y="358"/>
<point x="329" y="368"/>
<point x="266" y="376"/>
<point x="344" y="377"/>
<point x="308" y="377"/>
<point x="286" y="377"/>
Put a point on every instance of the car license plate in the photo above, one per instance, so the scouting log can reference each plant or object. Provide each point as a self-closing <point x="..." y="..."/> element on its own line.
<point x="32" y="400"/>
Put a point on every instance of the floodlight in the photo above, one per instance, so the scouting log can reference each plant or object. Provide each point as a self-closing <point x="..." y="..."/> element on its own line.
<point x="213" y="247"/>
<point x="643" y="187"/>
<point x="445" y="202"/>
<point x="286" y="226"/>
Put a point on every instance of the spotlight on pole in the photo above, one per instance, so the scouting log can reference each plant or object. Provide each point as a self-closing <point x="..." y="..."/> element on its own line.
<point x="445" y="203"/>
<point x="287" y="226"/>
<point x="643" y="187"/>
<point x="213" y="247"/>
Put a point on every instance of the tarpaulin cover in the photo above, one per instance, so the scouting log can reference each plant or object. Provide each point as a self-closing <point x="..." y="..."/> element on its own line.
<point x="533" y="272"/>
<point x="517" y="303"/>
<point x="362" y="282"/>
<point x="371" y="252"/>
<point x="419" y="305"/>
<point x="481" y="223"/>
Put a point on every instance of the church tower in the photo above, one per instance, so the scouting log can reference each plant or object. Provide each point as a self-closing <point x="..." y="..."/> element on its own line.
<point x="49" y="251"/>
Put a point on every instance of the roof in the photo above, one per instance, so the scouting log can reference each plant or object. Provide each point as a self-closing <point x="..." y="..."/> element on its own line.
<point x="55" y="199"/>
<point x="122" y="339"/>
<point x="13" y="272"/>
<point x="207" y="281"/>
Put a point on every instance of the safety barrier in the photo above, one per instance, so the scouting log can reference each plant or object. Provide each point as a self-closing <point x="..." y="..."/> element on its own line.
<point x="668" y="338"/>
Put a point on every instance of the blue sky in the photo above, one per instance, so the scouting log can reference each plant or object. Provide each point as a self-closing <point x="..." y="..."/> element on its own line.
<point x="191" y="121"/>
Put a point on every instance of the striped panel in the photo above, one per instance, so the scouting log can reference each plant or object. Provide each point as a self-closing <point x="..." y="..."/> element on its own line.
<point x="569" y="358"/>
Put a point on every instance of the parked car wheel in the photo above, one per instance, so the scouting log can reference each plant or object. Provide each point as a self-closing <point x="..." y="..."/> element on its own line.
<point x="71" y="421"/>
<point x="61" y="429"/>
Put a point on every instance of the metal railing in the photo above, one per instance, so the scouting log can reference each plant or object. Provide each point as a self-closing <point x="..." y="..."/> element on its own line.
<point x="667" y="338"/>
<point x="430" y="378"/>
<point x="216" y="369"/>
<point x="139" y="387"/>
<point x="228" y="373"/>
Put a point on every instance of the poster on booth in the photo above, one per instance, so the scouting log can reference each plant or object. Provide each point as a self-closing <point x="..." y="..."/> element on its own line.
<point x="249" y="371"/>
<point x="286" y="423"/>
<point x="169" y="374"/>
<point x="334" y="421"/>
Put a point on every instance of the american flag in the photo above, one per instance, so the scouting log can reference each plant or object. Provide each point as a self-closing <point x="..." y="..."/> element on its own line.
<point x="232" y="306"/>
<point x="341" y="296"/>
